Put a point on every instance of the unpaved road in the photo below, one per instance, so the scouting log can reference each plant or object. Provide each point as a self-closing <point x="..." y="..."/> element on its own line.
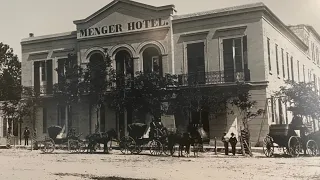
<point x="27" y="165"/>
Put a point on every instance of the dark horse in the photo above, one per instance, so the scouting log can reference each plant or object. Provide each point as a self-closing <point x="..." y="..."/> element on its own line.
<point x="101" y="138"/>
<point x="195" y="136"/>
<point x="182" y="139"/>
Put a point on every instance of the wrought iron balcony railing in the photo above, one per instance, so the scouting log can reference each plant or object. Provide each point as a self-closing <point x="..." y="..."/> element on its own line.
<point x="213" y="77"/>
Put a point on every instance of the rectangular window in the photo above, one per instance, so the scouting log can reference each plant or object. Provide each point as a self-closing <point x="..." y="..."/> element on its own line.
<point x="288" y="67"/>
<point x="280" y="111"/>
<point x="269" y="58"/>
<point x="234" y="59"/>
<point x="282" y="61"/>
<point x="196" y="64"/>
<point x="36" y="76"/>
<point x="277" y="60"/>
<point x="292" y="71"/>
<point x="298" y="67"/>
<point x="61" y="69"/>
<point x="312" y="52"/>
<point x="44" y="118"/>
<point x="304" y="73"/>
<point x="272" y="109"/>
<point x="317" y="55"/>
<point x="43" y="71"/>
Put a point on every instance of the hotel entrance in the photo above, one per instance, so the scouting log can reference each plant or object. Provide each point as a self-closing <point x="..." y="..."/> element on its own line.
<point x="125" y="70"/>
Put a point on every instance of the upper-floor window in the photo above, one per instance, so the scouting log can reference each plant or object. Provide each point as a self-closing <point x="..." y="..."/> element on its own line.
<point x="292" y="71"/>
<point x="196" y="62"/>
<point x="152" y="60"/>
<point x="235" y="59"/>
<point x="288" y="67"/>
<point x="317" y="55"/>
<point x="312" y="57"/>
<point x="43" y="76"/>
<point x="43" y="71"/>
<point x="304" y="73"/>
<point x="269" y="58"/>
<point x="298" y="68"/>
<point x="277" y="60"/>
<point x="282" y="61"/>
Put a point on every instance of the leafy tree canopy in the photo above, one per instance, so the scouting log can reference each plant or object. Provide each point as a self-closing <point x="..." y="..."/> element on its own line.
<point x="302" y="97"/>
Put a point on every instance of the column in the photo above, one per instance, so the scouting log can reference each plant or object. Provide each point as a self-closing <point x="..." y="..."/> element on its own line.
<point x="136" y="64"/>
<point x="165" y="64"/>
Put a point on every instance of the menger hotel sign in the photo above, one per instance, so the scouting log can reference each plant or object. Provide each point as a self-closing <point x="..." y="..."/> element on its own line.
<point x="125" y="27"/>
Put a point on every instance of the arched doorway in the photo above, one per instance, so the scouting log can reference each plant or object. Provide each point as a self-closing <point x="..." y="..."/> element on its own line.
<point x="124" y="66"/>
<point x="152" y="61"/>
<point x="97" y="65"/>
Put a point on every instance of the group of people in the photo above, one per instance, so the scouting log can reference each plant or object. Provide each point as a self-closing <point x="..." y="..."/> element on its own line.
<point x="233" y="142"/>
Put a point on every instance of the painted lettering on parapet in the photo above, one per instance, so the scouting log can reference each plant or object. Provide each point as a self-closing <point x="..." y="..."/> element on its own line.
<point x="119" y="28"/>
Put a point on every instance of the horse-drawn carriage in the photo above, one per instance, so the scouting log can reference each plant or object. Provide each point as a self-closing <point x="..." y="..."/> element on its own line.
<point x="292" y="139"/>
<point x="57" y="137"/>
<point x="141" y="136"/>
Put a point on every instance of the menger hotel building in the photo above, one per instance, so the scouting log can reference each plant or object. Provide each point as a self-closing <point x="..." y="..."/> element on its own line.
<point x="244" y="43"/>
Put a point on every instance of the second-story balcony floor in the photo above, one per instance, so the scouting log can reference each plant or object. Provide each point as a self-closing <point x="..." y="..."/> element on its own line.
<point x="213" y="77"/>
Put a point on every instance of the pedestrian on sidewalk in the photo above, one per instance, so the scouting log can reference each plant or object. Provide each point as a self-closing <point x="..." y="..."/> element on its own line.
<point x="225" y="141"/>
<point x="233" y="142"/>
<point x="26" y="135"/>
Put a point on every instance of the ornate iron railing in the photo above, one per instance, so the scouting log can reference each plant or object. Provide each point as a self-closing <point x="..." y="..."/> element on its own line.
<point x="213" y="77"/>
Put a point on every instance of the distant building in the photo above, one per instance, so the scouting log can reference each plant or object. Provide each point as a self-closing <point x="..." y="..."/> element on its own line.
<point x="246" y="43"/>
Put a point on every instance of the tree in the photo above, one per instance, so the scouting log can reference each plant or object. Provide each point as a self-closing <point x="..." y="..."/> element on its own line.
<point x="69" y="88"/>
<point x="303" y="100"/>
<point x="97" y="81"/>
<point x="145" y="93"/>
<point x="247" y="111"/>
<point x="17" y="101"/>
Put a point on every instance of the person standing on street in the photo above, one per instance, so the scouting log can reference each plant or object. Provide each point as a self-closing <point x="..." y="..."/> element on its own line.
<point x="225" y="141"/>
<point x="233" y="142"/>
<point x="26" y="135"/>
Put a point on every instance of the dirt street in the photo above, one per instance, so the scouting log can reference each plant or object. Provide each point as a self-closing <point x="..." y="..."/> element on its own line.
<point x="24" y="164"/>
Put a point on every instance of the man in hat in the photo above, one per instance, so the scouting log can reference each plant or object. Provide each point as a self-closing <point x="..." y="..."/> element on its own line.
<point x="26" y="135"/>
<point x="233" y="141"/>
<point x="225" y="141"/>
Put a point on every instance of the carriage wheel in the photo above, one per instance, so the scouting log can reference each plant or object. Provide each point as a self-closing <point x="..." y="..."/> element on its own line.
<point x="156" y="148"/>
<point x="47" y="146"/>
<point x="312" y="148"/>
<point x="268" y="148"/>
<point x="127" y="145"/>
<point x="73" y="146"/>
<point x="294" y="146"/>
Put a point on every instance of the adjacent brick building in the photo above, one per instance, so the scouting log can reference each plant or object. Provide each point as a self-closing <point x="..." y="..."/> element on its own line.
<point x="243" y="43"/>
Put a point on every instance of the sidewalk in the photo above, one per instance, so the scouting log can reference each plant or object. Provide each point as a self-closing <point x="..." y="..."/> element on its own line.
<point x="220" y="149"/>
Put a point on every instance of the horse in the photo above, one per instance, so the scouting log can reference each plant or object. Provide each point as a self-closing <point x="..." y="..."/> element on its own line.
<point x="184" y="141"/>
<point x="101" y="138"/>
<point x="194" y="136"/>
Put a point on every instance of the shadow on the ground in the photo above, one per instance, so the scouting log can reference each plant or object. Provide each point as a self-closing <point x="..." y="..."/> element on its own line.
<point x="285" y="156"/>
<point x="97" y="177"/>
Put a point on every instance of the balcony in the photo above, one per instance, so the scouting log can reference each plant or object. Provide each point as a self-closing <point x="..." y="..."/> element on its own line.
<point x="213" y="77"/>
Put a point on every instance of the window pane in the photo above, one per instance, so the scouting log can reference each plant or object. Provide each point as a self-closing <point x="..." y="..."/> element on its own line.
<point x="238" y="55"/>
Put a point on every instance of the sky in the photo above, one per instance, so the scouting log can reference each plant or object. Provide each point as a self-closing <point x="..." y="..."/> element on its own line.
<point x="20" y="17"/>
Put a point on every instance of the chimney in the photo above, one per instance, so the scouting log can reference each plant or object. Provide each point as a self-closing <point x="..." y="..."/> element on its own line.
<point x="31" y="34"/>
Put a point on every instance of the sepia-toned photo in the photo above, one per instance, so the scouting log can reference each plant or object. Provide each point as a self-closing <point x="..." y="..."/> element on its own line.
<point x="160" y="90"/>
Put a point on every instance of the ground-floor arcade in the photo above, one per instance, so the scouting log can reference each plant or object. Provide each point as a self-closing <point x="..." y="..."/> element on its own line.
<point x="86" y="120"/>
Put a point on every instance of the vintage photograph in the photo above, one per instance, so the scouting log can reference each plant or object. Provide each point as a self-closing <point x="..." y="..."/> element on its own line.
<point x="160" y="90"/>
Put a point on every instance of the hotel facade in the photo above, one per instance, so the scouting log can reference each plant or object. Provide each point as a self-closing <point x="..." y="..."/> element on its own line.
<point x="246" y="43"/>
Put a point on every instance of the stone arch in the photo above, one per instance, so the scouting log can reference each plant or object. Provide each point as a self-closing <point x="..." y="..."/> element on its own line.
<point x="119" y="47"/>
<point x="94" y="50"/>
<point x="155" y="44"/>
